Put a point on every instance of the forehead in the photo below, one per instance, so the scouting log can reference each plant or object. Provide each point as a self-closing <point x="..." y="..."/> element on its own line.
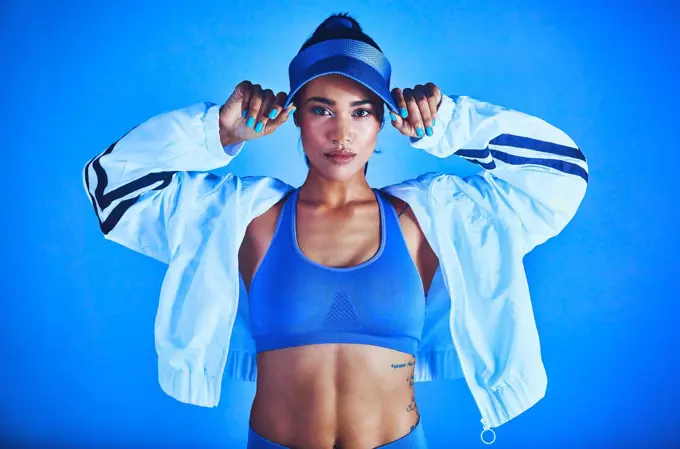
<point x="338" y="88"/>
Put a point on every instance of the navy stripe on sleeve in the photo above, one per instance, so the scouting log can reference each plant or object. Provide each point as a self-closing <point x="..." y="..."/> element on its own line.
<point x="485" y="165"/>
<point x="563" y="166"/>
<point x="104" y="200"/>
<point x="474" y="155"/>
<point x="511" y="140"/>
<point x="479" y="154"/>
<point x="122" y="207"/>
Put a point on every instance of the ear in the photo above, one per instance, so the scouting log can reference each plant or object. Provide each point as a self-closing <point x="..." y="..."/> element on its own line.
<point x="295" y="118"/>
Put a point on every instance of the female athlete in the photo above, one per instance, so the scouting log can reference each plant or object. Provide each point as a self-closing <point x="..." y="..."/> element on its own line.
<point x="353" y="293"/>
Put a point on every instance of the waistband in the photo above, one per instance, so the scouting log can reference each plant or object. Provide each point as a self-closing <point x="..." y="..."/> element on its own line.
<point x="415" y="439"/>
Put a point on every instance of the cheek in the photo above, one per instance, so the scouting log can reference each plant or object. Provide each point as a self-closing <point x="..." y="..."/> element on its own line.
<point x="368" y="133"/>
<point x="312" y="135"/>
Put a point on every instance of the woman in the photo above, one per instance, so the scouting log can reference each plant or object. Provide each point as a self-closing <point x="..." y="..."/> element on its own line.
<point x="353" y="293"/>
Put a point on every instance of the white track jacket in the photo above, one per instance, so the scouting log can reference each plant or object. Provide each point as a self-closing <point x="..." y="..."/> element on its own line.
<point x="153" y="193"/>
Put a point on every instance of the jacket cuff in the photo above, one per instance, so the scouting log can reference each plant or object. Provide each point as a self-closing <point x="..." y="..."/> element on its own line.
<point x="212" y="135"/>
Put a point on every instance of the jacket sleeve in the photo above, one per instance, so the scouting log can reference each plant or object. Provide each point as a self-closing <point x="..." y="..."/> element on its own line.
<point x="534" y="176"/>
<point x="153" y="174"/>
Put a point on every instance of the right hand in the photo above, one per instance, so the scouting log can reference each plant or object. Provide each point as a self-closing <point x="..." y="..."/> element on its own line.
<point x="258" y="103"/>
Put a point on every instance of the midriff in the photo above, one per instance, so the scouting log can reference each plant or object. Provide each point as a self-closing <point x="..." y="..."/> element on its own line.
<point x="334" y="395"/>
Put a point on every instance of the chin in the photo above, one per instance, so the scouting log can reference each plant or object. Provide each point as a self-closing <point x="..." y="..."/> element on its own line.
<point x="340" y="172"/>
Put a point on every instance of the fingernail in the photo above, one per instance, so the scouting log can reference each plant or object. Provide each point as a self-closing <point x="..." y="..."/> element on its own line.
<point x="291" y="112"/>
<point x="250" y="122"/>
<point x="273" y="114"/>
<point x="404" y="112"/>
<point x="428" y="130"/>
<point x="419" y="131"/>
<point x="259" y="127"/>
<point x="433" y="120"/>
<point x="393" y="117"/>
<point x="244" y="114"/>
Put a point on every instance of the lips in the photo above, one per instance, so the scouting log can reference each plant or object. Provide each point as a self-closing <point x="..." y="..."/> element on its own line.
<point x="340" y="156"/>
<point x="340" y="152"/>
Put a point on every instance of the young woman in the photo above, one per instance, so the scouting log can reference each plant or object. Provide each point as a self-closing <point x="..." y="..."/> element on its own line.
<point x="354" y="293"/>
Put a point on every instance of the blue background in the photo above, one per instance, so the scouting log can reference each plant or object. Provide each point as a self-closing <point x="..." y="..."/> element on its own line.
<point x="78" y="361"/>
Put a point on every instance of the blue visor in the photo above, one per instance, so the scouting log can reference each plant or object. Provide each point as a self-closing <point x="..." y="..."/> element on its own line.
<point x="356" y="60"/>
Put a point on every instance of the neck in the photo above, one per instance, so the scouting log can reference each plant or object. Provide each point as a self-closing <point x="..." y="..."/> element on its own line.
<point x="321" y="190"/>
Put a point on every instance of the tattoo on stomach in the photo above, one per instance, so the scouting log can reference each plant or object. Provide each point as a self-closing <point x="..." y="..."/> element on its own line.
<point x="412" y="407"/>
<point x="408" y="364"/>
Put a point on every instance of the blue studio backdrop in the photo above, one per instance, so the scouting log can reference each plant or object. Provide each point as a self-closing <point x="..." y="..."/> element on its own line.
<point x="77" y="354"/>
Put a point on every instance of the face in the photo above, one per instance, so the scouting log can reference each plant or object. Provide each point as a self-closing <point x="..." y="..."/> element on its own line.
<point x="339" y="120"/>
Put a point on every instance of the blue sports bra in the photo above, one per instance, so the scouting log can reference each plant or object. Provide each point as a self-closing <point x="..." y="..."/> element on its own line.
<point x="295" y="301"/>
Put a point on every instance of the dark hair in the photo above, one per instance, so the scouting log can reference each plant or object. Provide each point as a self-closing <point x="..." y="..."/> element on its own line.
<point x="338" y="26"/>
<point x="335" y="27"/>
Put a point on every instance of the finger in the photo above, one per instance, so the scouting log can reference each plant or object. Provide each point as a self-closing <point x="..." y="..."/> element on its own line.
<point x="414" y="118"/>
<point x="398" y="97"/>
<point x="282" y="115"/>
<point x="243" y="94"/>
<point x="276" y="107"/>
<point x="288" y="112"/>
<point x="266" y="106"/>
<point x="420" y="97"/>
<point x="254" y="106"/>
<point x="397" y="120"/>
<point x="434" y="96"/>
<point x="402" y="125"/>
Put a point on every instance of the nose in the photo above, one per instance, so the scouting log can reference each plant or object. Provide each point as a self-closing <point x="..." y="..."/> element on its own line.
<point x="342" y="131"/>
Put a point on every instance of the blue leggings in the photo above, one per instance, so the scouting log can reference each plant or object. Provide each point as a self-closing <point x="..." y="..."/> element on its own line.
<point x="415" y="439"/>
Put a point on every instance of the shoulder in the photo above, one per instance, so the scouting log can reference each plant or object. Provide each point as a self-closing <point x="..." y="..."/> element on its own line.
<point x="255" y="184"/>
<point x="414" y="191"/>
<point x="400" y="206"/>
<point x="419" y="183"/>
<point x="407" y="218"/>
<point x="263" y="226"/>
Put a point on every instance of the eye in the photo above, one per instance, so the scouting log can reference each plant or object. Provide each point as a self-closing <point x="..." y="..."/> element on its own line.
<point x="363" y="113"/>
<point x="318" y="110"/>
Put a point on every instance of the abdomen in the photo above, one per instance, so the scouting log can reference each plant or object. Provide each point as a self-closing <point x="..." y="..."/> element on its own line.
<point x="349" y="395"/>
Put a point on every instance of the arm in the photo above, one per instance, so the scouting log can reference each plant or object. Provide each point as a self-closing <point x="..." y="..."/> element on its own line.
<point x="136" y="185"/>
<point x="534" y="176"/>
<point x="155" y="177"/>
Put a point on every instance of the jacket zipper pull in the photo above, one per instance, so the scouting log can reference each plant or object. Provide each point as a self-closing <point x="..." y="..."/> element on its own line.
<point x="487" y="428"/>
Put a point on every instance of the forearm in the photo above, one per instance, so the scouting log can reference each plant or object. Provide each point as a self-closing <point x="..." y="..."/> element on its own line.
<point x="534" y="176"/>
<point x="135" y="183"/>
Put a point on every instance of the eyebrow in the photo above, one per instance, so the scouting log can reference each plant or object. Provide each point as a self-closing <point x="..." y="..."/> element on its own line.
<point x="330" y="102"/>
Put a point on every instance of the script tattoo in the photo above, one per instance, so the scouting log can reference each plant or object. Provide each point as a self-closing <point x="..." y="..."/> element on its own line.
<point x="402" y="365"/>
<point x="412" y="407"/>
<point x="410" y="363"/>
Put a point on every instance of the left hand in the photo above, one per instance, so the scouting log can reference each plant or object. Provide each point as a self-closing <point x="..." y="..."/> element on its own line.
<point x="421" y="104"/>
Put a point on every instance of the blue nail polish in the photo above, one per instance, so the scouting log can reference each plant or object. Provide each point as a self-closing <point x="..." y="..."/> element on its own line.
<point x="404" y="112"/>
<point x="433" y="120"/>
<point x="393" y="117"/>
<point x="250" y="122"/>
<point x="291" y="112"/>
<point x="259" y="127"/>
<point x="244" y="114"/>
<point x="273" y="114"/>
<point x="428" y="130"/>
<point x="420" y="132"/>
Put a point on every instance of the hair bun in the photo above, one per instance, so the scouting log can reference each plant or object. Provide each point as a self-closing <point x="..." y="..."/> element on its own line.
<point x="339" y="22"/>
